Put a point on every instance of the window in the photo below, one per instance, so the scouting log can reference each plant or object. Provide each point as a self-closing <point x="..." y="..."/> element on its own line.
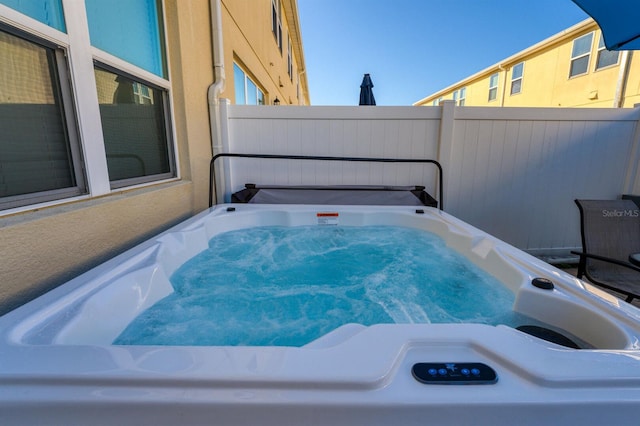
<point x="133" y="112"/>
<point x="134" y="128"/>
<point x="61" y="136"/>
<point x="276" y="22"/>
<point x="605" y="58"/>
<point x="247" y="92"/>
<point x="493" y="87"/>
<point x="46" y="11"/>
<point x="459" y="96"/>
<point x="130" y="30"/>
<point x="516" y="78"/>
<point x="289" y="59"/>
<point x="39" y="151"/>
<point x="580" y="55"/>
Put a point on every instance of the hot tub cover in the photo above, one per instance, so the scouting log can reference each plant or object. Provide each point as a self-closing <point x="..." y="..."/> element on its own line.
<point x="335" y="195"/>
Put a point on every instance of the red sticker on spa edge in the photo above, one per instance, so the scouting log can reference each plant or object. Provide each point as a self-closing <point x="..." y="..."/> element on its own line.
<point x="327" y="218"/>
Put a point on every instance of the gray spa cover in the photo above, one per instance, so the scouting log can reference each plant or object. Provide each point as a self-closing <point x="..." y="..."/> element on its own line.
<point x="356" y="195"/>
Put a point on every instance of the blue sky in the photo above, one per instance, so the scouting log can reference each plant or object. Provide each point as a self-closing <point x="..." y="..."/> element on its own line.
<point x="413" y="48"/>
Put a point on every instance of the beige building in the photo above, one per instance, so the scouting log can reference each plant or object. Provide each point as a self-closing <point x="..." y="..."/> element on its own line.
<point x="106" y="120"/>
<point x="263" y="53"/>
<point x="569" y="69"/>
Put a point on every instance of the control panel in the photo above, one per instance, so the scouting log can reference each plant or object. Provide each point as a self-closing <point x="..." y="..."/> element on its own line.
<point x="454" y="373"/>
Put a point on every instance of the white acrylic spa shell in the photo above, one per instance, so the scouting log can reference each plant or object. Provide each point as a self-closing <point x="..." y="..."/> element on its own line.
<point x="56" y="360"/>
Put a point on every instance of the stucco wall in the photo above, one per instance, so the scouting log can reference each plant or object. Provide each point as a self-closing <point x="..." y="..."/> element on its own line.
<point x="43" y="249"/>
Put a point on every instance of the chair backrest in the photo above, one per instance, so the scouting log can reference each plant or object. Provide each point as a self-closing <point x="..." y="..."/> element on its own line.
<point x="610" y="228"/>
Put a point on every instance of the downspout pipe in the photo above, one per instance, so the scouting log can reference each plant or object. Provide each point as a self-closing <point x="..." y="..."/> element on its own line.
<point x="215" y="89"/>
<point x="504" y="71"/>
<point x="623" y="77"/>
<point x="213" y="93"/>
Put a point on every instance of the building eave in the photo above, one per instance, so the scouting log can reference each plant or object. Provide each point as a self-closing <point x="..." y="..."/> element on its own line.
<point x="293" y="20"/>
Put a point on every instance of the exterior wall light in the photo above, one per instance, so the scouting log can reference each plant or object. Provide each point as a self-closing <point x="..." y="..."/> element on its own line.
<point x="276" y="101"/>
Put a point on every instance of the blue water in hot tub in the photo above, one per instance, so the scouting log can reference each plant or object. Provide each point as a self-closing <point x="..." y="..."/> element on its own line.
<point x="290" y="285"/>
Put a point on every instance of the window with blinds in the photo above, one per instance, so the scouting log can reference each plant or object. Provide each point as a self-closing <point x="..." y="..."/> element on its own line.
<point x="134" y="128"/>
<point x="39" y="150"/>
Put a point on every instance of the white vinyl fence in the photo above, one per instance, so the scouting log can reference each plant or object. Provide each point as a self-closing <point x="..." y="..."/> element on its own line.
<point x="513" y="172"/>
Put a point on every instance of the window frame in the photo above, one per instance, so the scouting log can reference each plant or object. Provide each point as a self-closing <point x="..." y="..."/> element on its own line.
<point x="493" y="88"/>
<point x="289" y="58"/>
<point x="80" y="57"/>
<point x="587" y="55"/>
<point x="246" y="76"/>
<point x="462" y="100"/>
<point x="166" y="110"/>
<point x="61" y="73"/>
<point x="602" y="48"/>
<point x="516" y="79"/>
<point x="276" y="23"/>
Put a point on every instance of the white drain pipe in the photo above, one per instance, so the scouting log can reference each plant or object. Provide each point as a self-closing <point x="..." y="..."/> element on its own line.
<point x="218" y="85"/>
<point x="219" y="77"/>
<point x="623" y="77"/>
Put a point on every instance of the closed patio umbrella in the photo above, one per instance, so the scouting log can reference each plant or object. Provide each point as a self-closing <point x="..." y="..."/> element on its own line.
<point x="366" y="91"/>
<point x="619" y="21"/>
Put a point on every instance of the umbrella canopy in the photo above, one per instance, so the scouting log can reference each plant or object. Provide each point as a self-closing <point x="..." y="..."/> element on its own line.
<point x="619" y="21"/>
<point x="366" y="91"/>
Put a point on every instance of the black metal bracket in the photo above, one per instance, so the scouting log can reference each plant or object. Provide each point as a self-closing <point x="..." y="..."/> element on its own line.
<point x="212" y="175"/>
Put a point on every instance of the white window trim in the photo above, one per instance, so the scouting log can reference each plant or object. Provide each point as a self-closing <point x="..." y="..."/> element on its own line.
<point x="598" y="51"/>
<point x="277" y="32"/>
<point x="247" y="77"/>
<point x="76" y="43"/>
<point x="513" y="80"/>
<point x="83" y="75"/>
<point x="493" y="87"/>
<point x="463" y="96"/>
<point x="588" y="53"/>
<point x="289" y="58"/>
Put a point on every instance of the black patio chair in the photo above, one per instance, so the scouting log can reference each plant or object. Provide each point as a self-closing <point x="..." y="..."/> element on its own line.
<point x="610" y="235"/>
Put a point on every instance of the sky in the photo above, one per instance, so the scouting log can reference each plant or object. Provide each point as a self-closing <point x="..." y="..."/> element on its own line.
<point x="413" y="48"/>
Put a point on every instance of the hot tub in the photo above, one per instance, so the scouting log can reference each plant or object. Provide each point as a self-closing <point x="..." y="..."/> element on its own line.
<point x="57" y="363"/>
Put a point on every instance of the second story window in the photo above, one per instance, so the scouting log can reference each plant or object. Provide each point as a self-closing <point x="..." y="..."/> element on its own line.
<point x="289" y="59"/>
<point x="276" y="22"/>
<point x="459" y="96"/>
<point x="516" y="78"/>
<point x="493" y="87"/>
<point x="605" y="57"/>
<point x="580" y="55"/>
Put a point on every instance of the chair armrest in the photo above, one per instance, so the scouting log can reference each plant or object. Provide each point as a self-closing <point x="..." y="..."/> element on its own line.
<point x="583" y="257"/>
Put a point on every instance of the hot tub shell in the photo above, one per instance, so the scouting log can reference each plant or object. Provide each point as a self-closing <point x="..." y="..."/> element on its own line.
<point x="57" y="364"/>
